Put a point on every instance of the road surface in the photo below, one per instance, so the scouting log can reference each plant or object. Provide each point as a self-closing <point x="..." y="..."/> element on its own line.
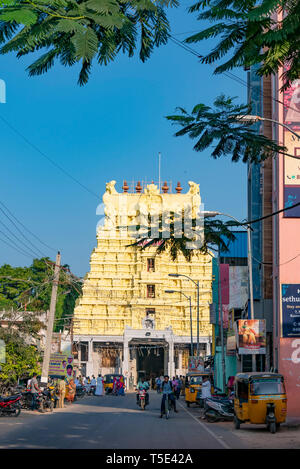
<point x="111" y="422"/>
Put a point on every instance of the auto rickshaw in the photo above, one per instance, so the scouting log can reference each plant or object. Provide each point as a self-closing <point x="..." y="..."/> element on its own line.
<point x="260" y="398"/>
<point x="193" y="385"/>
<point x="109" y="380"/>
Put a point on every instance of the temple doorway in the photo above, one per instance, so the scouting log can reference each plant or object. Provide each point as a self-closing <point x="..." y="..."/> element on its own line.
<point x="150" y="363"/>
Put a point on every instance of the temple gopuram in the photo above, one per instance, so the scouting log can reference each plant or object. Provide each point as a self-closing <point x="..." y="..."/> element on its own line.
<point x="125" y="321"/>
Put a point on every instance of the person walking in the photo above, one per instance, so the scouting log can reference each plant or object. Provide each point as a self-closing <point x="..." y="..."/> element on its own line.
<point x="99" y="387"/>
<point x="158" y="384"/>
<point x="178" y="390"/>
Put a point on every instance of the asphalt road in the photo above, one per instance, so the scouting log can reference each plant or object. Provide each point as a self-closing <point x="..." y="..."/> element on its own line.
<point x="111" y="422"/>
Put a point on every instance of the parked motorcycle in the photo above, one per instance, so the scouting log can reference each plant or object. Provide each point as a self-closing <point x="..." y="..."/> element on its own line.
<point x="47" y="399"/>
<point x="10" y="406"/>
<point x="216" y="409"/>
<point x="80" y="391"/>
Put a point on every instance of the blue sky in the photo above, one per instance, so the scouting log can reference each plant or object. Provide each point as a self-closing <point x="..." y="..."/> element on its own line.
<point x="113" y="128"/>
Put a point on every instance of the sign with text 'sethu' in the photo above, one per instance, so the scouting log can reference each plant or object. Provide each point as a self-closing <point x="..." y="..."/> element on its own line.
<point x="290" y="301"/>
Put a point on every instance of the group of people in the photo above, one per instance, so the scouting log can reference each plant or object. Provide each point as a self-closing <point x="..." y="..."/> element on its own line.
<point x="94" y="384"/>
<point x="63" y="389"/>
<point x="177" y="384"/>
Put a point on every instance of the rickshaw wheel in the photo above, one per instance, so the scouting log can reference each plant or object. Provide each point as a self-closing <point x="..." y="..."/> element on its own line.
<point x="188" y="404"/>
<point x="237" y="423"/>
<point x="273" y="427"/>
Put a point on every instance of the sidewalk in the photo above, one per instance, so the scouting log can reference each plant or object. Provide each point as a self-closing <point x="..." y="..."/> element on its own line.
<point x="292" y="422"/>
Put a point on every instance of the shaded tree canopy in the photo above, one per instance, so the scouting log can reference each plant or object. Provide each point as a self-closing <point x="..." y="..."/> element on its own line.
<point x="251" y="33"/>
<point x="222" y="130"/>
<point x="84" y="31"/>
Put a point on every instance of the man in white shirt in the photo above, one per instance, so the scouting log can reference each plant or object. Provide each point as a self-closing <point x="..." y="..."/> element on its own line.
<point x="205" y="391"/>
<point x="206" y="388"/>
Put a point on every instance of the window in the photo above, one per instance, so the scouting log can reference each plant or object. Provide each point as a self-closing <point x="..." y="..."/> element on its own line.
<point x="267" y="386"/>
<point x="150" y="311"/>
<point x="150" y="291"/>
<point x="151" y="264"/>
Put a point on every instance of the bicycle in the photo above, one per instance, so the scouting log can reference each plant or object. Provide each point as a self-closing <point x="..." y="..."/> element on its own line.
<point x="168" y="406"/>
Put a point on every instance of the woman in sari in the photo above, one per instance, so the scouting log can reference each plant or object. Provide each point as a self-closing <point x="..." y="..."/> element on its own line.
<point x="71" y="390"/>
<point x="115" y="386"/>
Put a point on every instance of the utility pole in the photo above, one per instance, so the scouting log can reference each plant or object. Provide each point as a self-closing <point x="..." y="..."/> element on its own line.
<point x="47" y="352"/>
<point x="198" y="318"/>
<point x="222" y="326"/>
<point x="251" y="286"/>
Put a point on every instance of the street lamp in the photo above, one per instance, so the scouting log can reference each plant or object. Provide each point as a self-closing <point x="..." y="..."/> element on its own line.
<point x="197" y="285"/>
<point x="250" y="118"/>
<point x="191" y="317"/>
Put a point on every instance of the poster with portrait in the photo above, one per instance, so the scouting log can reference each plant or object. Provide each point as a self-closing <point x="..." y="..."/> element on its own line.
<point x="61" y="364"/>
<point x="196" y="364"/>
<point x="251" y="336"/>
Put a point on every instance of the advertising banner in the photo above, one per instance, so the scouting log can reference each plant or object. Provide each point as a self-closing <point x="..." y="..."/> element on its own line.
<point x="61" y="365"/>
<point x="292" y="165"/>
<point x="196" y="364"/>
<point x="251" y="336"/>
<point x="231" y="334"/>
<point x="238" y="286"/>
<point x="290" y="301"/>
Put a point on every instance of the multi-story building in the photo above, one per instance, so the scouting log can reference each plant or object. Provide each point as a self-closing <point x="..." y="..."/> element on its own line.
<point x="125" y="321"/>
<point x="274" y="186"/>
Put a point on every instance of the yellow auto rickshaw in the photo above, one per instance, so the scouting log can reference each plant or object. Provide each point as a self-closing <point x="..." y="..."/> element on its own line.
<point x="260" y="398"/>
<point x="108" y="382"/>
<point x="193" y="385"/>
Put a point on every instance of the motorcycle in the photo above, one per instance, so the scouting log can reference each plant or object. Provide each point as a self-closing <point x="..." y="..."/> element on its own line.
<point x="10" y="406"/>
<point x="47" y="399"/>
<point x="142" y="398"/>
<point x="80" y="391"/>
<point x="91" y="391"/>
<point x="216" y="409"/>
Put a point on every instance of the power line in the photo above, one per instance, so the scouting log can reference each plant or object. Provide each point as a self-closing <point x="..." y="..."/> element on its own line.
<point x="33" y="254"/>
<point x="46" y="245"/>
<point x="25" y="237"/>
<point x="16" y="249"/>
<point x="230" y="74"/>
<point x="48" y="158"/>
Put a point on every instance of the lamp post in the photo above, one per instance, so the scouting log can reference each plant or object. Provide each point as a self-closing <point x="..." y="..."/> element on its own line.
<point x="191" y="317"/>
<point x="252" y="118"/>
<point x="197" y="285"/>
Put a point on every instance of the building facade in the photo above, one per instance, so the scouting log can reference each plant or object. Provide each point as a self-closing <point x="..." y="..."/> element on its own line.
<point x="275" y="186"/>
<point x="125" y="321"/>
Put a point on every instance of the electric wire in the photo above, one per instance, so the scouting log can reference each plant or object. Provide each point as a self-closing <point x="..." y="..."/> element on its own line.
<point x="9" y="211"/>
<point x="230" y="74"/>
<point x="25" y="237"/>
<point x="16" y="249"/>
<point x="33" y="254"/>
<point x="32" y="145"/>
